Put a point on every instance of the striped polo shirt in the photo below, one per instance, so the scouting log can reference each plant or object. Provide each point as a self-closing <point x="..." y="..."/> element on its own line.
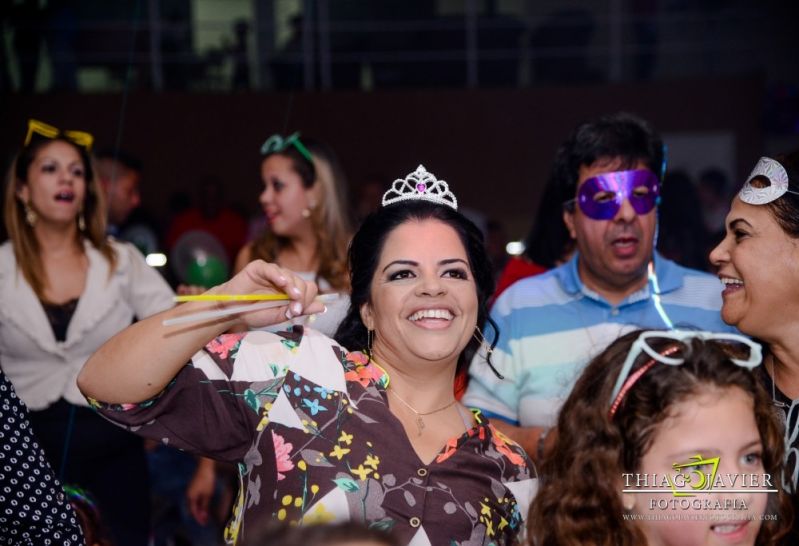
<point x="551" y="325"/>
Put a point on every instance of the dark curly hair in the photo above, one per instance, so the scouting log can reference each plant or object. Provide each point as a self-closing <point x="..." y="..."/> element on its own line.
<point x="364" y="255"/>
<point x="579" y="502"/>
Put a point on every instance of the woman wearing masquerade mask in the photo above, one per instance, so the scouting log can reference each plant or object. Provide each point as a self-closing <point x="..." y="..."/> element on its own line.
<point x="637" y="419"/>
<point x="321" y="434"/>
<point x="64" y="290"/>
<point x="758" y="263"/>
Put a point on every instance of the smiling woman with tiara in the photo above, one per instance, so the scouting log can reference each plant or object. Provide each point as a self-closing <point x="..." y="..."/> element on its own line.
<point x="323" y="434"/>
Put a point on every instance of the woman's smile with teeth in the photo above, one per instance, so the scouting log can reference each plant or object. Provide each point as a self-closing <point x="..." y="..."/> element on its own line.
<point x="726" y="528"/>
<point x="431" y="314"/>
<point x="730" y="280"/>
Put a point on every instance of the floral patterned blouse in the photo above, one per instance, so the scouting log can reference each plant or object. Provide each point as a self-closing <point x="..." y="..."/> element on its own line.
<point x="309" y="427"/>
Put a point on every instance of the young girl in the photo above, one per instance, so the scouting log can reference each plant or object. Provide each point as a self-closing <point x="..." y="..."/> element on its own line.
<point x="655" y="412"/>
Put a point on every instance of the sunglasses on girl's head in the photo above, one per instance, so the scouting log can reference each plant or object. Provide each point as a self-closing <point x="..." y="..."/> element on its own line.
<point x="749" y="353"/>
<point x="601" y="197"/>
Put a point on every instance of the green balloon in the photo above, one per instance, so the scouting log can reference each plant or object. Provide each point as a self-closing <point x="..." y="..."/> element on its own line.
<point x="207" y="273"/>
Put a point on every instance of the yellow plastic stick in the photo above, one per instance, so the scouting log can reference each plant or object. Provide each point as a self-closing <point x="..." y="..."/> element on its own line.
<point x="232" y="297"/>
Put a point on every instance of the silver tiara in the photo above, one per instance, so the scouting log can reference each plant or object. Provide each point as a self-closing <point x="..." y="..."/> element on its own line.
<point x="772" y="171"/>
<point x="423" y="185"/>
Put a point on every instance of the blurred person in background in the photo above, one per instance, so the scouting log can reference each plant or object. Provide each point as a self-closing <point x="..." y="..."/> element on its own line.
<point x="213" y="216"/>
<point x="65" y="288"/>
<point x="496" y="237"/>
<point x="713" y="188"/>
<point x="547" y="244"/>
<point x="368" y="195"/>
<point x="682" y="235"/>
<point x="307" y="227"/>
<point x="120" y="177"/>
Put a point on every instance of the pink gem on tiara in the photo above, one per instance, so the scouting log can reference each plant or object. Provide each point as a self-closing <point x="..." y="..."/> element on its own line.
<point x="420" y="185"/>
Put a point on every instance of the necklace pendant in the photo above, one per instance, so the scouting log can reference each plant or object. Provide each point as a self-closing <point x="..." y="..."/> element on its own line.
<point x="419" y="424"/>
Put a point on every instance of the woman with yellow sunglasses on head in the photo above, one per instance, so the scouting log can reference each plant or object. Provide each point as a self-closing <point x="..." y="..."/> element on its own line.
<point x="65" y="288"/>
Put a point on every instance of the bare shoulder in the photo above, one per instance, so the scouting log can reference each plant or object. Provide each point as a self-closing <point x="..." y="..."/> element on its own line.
<point x="243" y="258"/>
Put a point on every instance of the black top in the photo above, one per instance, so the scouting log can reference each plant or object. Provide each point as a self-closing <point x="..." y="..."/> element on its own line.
<point x="788" y="412"/>
<point x="59" y="315"/>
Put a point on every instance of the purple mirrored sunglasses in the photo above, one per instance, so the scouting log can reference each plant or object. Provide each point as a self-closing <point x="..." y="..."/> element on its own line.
<point x="601" y="197"/>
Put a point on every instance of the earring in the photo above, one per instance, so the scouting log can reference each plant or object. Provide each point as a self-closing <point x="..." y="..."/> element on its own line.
<point x="30" y="214"/>
<point x="306" y="212"/>
<point x="81" y="222"/>
<point x="369" y="339"/>
<point x="486" y="346"/>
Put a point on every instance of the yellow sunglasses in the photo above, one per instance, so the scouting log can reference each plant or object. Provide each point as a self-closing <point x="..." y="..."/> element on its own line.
<point x="80" y="138"/>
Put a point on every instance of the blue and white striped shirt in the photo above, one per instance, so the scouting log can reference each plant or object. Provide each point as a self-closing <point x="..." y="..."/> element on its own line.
<point x="551" y="326"/>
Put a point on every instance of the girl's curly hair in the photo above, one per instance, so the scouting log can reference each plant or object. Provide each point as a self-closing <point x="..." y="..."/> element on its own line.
<point x="579" y="501"/>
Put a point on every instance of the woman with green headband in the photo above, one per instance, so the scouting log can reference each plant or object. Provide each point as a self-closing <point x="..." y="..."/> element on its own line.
<point x="307" y="229"/>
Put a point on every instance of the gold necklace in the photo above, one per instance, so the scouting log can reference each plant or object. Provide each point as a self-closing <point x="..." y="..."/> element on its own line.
<point x="419" y="421"/>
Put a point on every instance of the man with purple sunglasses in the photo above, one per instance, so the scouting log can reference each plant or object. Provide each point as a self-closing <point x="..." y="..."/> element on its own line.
<point x="551" y="325"/>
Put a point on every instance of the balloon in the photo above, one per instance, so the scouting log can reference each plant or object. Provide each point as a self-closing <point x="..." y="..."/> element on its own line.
<point x="198" y="258"/>
<point x="208" y="272"/>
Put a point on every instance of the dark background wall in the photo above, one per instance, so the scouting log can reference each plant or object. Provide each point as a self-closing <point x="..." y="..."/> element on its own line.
<point x="494" y="147"/>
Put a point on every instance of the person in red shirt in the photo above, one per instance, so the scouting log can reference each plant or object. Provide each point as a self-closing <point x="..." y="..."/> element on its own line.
<point x="212" y="216"/>
<point x="548" y="243"/>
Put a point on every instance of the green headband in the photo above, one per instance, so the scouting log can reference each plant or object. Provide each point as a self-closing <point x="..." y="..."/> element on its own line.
<point x="276" y="144"/>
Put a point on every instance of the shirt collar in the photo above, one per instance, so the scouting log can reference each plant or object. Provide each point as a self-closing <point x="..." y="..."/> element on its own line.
<point x="364" y="370"/>
<point x="667" y="279"/>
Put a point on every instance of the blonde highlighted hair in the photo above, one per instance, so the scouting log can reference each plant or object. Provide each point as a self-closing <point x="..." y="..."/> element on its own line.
<point x="328" y="218"/>
<point x="21" y="234"/>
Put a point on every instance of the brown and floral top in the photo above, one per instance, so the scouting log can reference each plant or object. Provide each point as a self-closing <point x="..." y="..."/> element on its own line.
<point x="309" y="427"/>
